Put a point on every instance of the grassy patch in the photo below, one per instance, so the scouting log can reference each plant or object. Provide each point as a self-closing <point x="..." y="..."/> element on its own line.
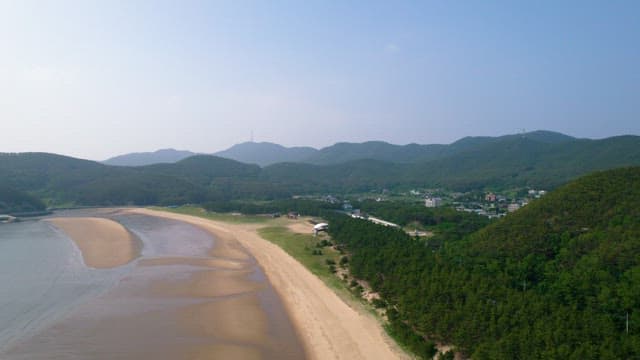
<point x="230" y="218"/>
<point x="301" y="247"/>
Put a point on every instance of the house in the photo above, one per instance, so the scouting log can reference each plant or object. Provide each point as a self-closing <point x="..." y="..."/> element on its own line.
<point x="432" y="202"/>
<point x="513" y="207"/>
<point x="490" y="197"/>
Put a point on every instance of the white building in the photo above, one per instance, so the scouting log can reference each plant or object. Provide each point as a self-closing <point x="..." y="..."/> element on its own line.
<point x="432" y="202"/>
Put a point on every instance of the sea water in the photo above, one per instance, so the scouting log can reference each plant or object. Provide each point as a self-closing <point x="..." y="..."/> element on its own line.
<point x="42" y="277"/>
<point x="49" y="298"/>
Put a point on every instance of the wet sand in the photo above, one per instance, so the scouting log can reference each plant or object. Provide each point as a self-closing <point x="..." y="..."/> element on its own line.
<point x="104" y="243"/>
<point x="212" y="304"/>
<point x="328" y="327"/>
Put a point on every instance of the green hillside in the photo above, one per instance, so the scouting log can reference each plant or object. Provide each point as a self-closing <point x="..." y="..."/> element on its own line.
<point x="203" y="169"/>
<point x="555" y="280"/>
<point x="354" y="176"/>
<point x="15" y="201"/>
<point x="523" y="161"/>
<point x="376" y="150"/>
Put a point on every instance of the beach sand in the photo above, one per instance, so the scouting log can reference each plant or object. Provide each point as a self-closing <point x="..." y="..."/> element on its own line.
<point x="212" y="305"/>
<point x="329" y="328"/>
<point x="104" y="243"/>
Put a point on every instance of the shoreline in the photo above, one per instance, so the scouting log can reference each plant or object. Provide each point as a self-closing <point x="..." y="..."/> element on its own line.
<point x="327" y="326"/>
<point x="191" y="299"/>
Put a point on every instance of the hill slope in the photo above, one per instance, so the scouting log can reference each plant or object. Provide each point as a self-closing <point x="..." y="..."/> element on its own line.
<point x="375" y="150"/>
<point x="148" y="158"/>
<point x="555" y="280"/>
<point x="16" y="201"/>
<point x="522" y="161"/>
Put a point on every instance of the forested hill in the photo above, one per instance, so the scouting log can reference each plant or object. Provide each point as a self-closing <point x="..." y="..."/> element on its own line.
<point x="64" y="180"/>
<point x="522" y="161"/>
<point x="554" y="280"/>
<point x="15" y="201"/>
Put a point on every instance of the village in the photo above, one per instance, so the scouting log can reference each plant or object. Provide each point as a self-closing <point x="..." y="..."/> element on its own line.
<point x="492" y="205"/>
<point x="489" y="204"/>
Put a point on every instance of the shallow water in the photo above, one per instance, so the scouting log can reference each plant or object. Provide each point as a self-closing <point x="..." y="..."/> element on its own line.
<point x="135" y="310"/>
<point x="42" y="277"/>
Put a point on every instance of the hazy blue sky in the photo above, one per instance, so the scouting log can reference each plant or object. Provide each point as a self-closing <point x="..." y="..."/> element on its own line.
<point x="96" y="79"/>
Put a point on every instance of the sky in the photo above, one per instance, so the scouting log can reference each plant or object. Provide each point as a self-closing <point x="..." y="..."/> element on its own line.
<point x="95" y="79"/>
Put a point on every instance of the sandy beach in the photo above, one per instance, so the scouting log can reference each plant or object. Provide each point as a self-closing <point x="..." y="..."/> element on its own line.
<point x="104" y="243"/>
<point x="328" y="327"/>
<point x="196" y="296"/>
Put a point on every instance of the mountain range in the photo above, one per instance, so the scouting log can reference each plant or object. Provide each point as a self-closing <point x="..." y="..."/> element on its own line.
<point x="539" y="160"/>
<point x="266" y="153"/>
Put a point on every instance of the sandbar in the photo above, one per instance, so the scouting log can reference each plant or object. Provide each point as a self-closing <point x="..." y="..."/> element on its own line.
<point x="104" y="243"/>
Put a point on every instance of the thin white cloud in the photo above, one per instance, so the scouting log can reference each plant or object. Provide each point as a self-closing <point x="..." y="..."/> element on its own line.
<point x="391" y="48"/>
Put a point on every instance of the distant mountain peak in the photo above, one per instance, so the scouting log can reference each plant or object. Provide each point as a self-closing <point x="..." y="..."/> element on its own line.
<point x="266" y="153"/>
<point x="168" y="155"/>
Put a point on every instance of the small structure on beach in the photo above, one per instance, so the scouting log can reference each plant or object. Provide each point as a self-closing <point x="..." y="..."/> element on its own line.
<point x="320" y="227"/>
